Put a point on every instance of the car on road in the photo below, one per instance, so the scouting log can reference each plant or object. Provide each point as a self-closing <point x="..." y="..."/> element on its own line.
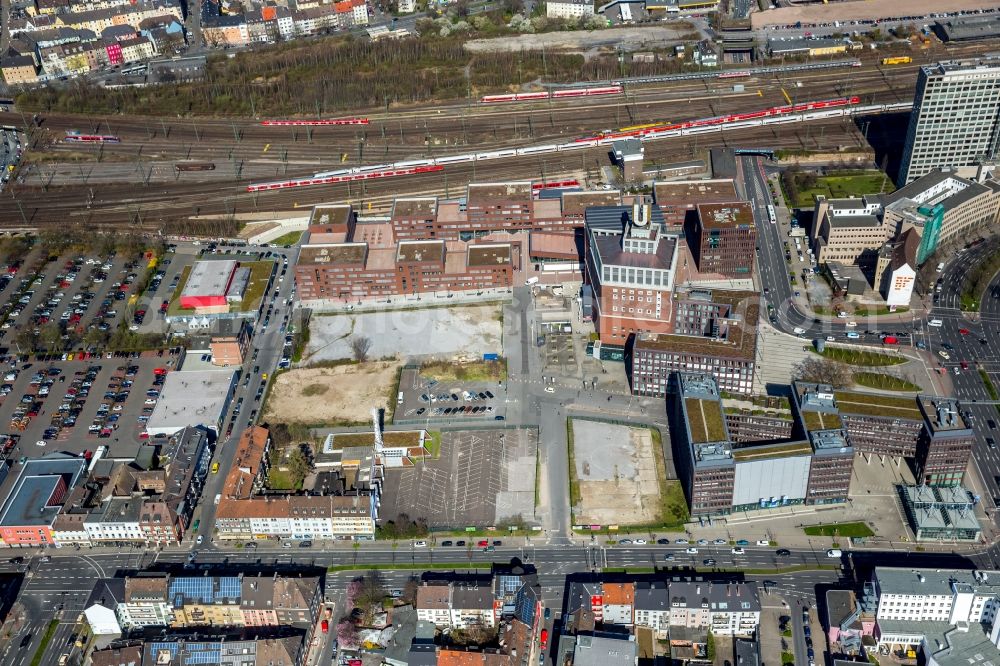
<point x="459" y="543"/>
<point x="640" y="542"/>
<point x="549" y="389"/>
<point x="738" y="551"/>
<point x="708" y="562"/>
<point x="305" y="544"/>
<point x="691" y="550"/>
<point x="782" y="552"/>
<point x="763" y="542"/>
<point x="943" y="354"/>
<point x="990" y="442"/>
<point x="742" y="542"/>
<point x="420" y="544"/>
<point x="991" y="423"/>
<point x="625" y="542"/>
<point x="200" y="540"/>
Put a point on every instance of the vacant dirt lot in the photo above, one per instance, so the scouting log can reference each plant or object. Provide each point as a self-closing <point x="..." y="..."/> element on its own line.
<point x="468" y="331"/>
<point x="855" y="11"/>
<point x="352" y="392"/>
<point x="616" y="472"/>
<point x="627" y="38"/>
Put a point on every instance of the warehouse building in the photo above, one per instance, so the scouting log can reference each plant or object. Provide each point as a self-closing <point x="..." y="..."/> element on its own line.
<point x="207" y="288"/>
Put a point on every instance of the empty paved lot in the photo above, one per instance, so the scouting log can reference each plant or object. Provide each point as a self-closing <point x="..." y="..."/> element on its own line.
<point x="480" y="478"/>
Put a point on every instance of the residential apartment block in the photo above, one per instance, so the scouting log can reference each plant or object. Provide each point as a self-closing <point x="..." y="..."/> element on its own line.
<point x="288" y="651"/>
<point x="242" y="514"/>
<point x="569" y="9"/>
<point x="955" y="120"/>
<point x="457" y="604"/>
<point x="178" y="602"/>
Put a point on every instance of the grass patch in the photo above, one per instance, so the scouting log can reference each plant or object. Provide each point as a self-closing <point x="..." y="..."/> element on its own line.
<point x="844" y="185"/>
<point x="476" y="371"/>
<point x="538" y="476"/>
<point x="629" y="570"/>
<point x="990" y="388"/>
<point x="787" y="659"/>
<point x="673" y="505"/>
<point x="405" y="438"/>
<point x="260" y="276"/>
<point x="174" y="309"/>
<point x="446" y="566"/>
<point x="861" y="357"/>
<point x="291" y="238"/>
<point x="877" y="380"/>
<point x="853" y="530"/>
<point x="50" y="630"/>
<point x="432" y="442"/>
<point x="278" y="479"/>
<point x="884" y="310"/>
<point x="575" y="497"/>
<point x="315" y="389"/>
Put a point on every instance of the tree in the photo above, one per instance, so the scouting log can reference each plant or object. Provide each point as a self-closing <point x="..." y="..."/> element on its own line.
<point x="823" y="371"/>
<point x="26" y="340"/>
<point x="360" y="346"/>
<point x="298" y="465"/>
<point x="347" y="634"/>
<point x="51" y="336"/>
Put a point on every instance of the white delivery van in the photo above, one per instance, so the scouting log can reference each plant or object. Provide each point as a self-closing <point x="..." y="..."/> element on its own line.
<point x="936" y="323"/>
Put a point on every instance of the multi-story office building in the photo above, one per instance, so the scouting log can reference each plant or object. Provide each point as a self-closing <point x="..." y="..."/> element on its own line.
<point x="955" y="120"/>
<point x="848" y="231"/>
<point x="722" y="239"/>
<point x="945" y="445"/>
<point x="721" y="477"/>
<point x="630" y="265"/>
<point x="678" y="200"/>
<point x="714" y="332"/>
<point x="941" y="205"/>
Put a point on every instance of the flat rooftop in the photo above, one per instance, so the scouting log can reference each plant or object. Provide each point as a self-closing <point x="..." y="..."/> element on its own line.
<point x="577" y="203"/>
<point x="969" y="29"/>
<point x="322" y="215"/>
<point x="191" y="398"/>
<point x="431" y="252"/>
<point x="422" y="207"/>
<point x="209" y="277"/>
<point x="816" y="420"/>
<point x="764" y="451"/>
<point x="741" y="331"/>
<point x="489" y="255"/>
<point x="705" y="420"/>
<point x="725" y="215"/>
<point x="943" y="414"/>
<point x="873" y="404"/>
<point x="693" y="192"/>
<point x="491" y="193"/>
<point x="348" y="254"/>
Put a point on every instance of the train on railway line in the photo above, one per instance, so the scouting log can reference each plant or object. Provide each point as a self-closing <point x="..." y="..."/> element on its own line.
<point x="557" y="94"/>
<point x="729" y="119"/>
<point x="378" y="172"/>
<point x="312" y="123"/>
<point x="775" y="115"/>
<point x="195" y="166"/>
<point x="73" y="136"/>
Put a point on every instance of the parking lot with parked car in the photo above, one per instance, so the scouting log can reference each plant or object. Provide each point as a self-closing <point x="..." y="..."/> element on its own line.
<point x="422" y="398"/>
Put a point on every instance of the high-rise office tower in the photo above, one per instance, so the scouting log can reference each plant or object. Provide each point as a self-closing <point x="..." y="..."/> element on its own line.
<point x="955" y="120"/>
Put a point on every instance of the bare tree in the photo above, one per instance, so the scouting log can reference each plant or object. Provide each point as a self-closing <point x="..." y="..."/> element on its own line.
<point x="823" y="371"/>
<point x="360" y="345"/>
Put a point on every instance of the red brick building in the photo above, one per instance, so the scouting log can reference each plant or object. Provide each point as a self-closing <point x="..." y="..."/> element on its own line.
<point x="630" y="264"/>
<point x="722" y="239"/>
